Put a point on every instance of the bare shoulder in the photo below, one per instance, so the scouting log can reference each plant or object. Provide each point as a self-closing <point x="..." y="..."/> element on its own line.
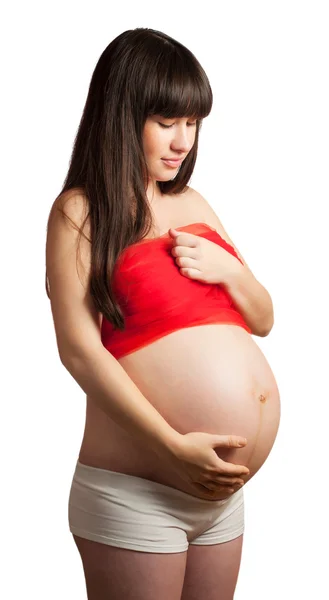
<point x="71" y="206"/>
<point x="199" y="202"/>
<point x="208" y="215"/>
<point x="203" y="210"/>
<point x="68" y="268"/>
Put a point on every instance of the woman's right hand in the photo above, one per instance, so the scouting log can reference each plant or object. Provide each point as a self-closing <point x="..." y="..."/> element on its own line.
<point x="195" y="460"/>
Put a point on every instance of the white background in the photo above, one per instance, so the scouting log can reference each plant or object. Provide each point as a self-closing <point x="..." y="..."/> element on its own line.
<point x="263" y="166"/>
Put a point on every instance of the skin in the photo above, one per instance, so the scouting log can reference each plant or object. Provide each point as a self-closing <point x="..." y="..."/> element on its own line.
<point x="165" y="138"/>
<point x="202" y="571"/>
<point x="174" y="138"/>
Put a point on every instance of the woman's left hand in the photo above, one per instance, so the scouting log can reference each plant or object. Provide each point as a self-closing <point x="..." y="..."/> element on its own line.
<point x="201" y="259"/>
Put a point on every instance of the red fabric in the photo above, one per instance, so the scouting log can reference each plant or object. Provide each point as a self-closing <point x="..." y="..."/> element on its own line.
<point x="156" y="299"/>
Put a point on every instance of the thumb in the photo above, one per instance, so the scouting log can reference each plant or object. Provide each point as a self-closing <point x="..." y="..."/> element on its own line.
<point x="173" y="231"/>
<point x="229" y="441"/>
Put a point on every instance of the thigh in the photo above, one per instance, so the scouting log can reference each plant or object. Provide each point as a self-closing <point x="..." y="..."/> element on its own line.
<point x="113" y="573"/>
<point x="212" y="571"/>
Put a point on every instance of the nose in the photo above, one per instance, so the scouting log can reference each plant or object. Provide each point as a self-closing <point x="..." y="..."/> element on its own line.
<point x="183" y="138"/>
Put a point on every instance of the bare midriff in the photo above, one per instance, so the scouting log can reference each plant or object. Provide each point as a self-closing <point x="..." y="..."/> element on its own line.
<point x="209" y="378"/>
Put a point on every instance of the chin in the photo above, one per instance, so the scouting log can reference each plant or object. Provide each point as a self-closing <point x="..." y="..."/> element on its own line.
<point x="161" y="178"/>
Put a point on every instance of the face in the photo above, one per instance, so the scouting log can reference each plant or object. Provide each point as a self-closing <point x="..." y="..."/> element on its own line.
<point x="166" y="143"/>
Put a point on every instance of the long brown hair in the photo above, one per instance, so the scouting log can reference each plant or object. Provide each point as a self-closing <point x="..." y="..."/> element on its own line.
<point x="141" y="72"/>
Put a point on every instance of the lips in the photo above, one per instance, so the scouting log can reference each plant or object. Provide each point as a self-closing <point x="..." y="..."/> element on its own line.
<point x="175" y="159"/>
<point x="171" y="162"/>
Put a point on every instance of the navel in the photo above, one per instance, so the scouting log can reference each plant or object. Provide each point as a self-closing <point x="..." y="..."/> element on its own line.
<point x="262" y="398"/>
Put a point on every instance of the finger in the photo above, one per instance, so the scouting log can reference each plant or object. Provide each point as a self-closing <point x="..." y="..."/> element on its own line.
<point x="190" y="273"/>
<point x="223" y="488"/>
<point x="183" y="251"/>
<point x="228" y="480"/>
<point x="229" y="441"/>
<point x="215" y="484"/>
<point x="213" y="491"/>
<point x="222" y="479"/>
<point x="188" y="240"/>
<point x="230" y="469"/>
<point x="203" y="488"/>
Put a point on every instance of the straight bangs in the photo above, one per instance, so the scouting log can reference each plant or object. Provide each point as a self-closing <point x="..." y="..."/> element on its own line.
<point x="177" y="87"/>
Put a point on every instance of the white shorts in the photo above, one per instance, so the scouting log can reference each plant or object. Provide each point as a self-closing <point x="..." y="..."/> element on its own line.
<point x="138" y="514"/>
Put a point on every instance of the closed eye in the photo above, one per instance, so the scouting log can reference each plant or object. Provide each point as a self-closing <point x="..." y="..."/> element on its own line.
<point x="168" y="126"/>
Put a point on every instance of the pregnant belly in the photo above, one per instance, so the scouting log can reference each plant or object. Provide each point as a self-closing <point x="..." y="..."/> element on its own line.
<point x="210" y="378"/>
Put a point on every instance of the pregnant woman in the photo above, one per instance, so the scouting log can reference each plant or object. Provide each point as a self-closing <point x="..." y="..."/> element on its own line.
<point x="153" y="308"/>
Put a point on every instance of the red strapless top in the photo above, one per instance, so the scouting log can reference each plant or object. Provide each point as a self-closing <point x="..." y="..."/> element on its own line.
<point x="156" y="299"/>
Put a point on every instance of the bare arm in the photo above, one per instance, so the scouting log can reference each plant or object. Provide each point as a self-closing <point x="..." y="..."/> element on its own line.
<point x="77" y="327"/>
<point x="104" y="380"/>
<point x="251" y="299"/>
